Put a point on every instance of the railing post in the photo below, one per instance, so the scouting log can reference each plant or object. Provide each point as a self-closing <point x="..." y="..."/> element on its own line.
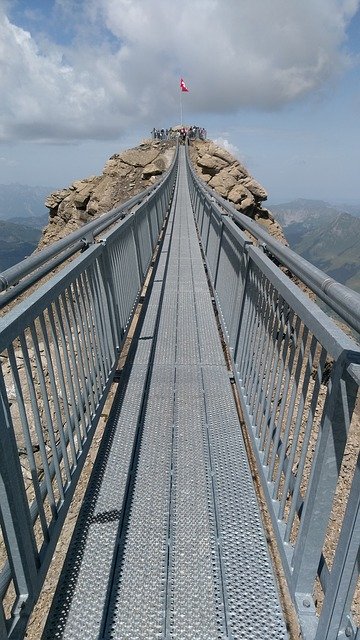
<point x="242" y="305"/>
<point x="335" y="423"/>
<point x="135" y="235"/>
<point x="108" y="283"/>
<point x="15" y="516"/>
<point x="218" y="251"/>
<point x="239" y="298"/>
<point x="335" y="614"/>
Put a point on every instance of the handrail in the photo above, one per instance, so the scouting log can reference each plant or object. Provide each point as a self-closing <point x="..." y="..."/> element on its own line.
<point x="49" y="257"/>
<point x="343" y="300"/>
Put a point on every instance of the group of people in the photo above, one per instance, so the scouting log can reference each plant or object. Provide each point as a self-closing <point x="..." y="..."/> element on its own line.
<point x="160" y="134"/>
<point x="190" y="133"/>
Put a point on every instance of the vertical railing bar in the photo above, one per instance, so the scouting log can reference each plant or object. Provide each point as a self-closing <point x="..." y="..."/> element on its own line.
<point x="245" y="336"/>
<point x="135" y="236"/>
<point x="273" y="325"/>
<point x="282" y="352"/>
<point x="103" y="328"/>
<point x="108" y="311"/>
<point x="55" y="398"/>
<point x="88" y="356"/>
<point x="72" y="379"/>
<point x="254" y="380"/>
<point x="124" y="286"/>
<point x="94" y="326"/>
<point x="83" y="369"/>
<point x="44" y="396"/>
<point x="140" y="229"/>
<point x="265" y="369"/>
<point x="290" y="408"/>
<point x="60" y="372"/>
<point x="306" y="440"/>
<point x="93" y="287"/>
<point x="218" y="254"/>
<point x="112" y="321"/>
<point x="69" y="388"/>
<point x="158" y="216"/>
<point x="335" y="613"/>
<point x="3" y="629"/>
<point x="244" y="321"/>
<point x="15" y="521"/>
<point x="329" y="451"/>
<point x="277" y="336"/>
<point x="26" y="428"/>
<point x="245" y="363"/>
<point x="285" y="390"/>
<point x="238" y="289"/>
<point x="297" y="426"/>
<point x="115" y="259"/>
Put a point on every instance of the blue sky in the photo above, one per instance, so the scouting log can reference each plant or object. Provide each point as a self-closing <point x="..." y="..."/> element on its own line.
<point x="277" y="83"/>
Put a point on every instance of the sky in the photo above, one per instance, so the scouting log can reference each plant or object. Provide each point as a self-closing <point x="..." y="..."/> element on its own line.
<point x="276" y="82"/>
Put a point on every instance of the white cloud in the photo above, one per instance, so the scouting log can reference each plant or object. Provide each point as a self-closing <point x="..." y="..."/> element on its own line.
<point x="8" y="162"/>
<point x="123" y="65"/>
<point x="228" y="146"/>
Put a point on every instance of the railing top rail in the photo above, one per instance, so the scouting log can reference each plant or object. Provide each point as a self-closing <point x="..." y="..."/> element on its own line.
<point x="344" y="301"/>
<point x="64" y="248"/>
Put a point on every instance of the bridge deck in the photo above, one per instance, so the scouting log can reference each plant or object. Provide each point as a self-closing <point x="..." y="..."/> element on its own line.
<point x="169" y="543"/>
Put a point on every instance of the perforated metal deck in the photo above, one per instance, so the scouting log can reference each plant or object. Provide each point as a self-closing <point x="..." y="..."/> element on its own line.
<point x="169" y="542"/>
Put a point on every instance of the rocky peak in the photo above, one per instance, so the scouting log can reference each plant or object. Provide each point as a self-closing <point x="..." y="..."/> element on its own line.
<point x="231" y="179"/>
<point x="126" y="174"/>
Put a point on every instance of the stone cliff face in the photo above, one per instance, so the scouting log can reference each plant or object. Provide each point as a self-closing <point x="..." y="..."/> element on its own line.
<point x="232" y="181"/>
<point x="131" y="171"/>
<point x="123" y="176"/>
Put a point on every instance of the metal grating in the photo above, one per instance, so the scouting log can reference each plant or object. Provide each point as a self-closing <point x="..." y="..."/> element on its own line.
<point x="174" y="547"/>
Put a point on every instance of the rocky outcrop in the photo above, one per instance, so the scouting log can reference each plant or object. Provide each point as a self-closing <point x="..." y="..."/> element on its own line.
<point x="124" y="175"/>
<point x="226" y="175"/>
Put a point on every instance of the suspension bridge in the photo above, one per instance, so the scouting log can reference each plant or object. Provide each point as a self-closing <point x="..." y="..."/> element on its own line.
<point x="233" y="375"/>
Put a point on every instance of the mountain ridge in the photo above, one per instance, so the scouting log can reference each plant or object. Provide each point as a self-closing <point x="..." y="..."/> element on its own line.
<point x="326" y="235"/>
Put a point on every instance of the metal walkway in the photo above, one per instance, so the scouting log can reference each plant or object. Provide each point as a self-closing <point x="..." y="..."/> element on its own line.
<point x="169" y="542"/>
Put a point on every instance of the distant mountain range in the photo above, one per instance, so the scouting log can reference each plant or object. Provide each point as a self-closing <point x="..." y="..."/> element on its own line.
<point x="22" y="201"/>
<point x="16" y="242"/>
<point x="22" y="217"/>
<point x="326" y="235"/>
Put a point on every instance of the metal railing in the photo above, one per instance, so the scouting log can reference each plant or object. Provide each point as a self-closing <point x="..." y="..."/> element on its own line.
<point x="344" y="301"/>
<point x="58" y="354"/>
<point x="24" y="274"/>
<point x="298" y="376"/>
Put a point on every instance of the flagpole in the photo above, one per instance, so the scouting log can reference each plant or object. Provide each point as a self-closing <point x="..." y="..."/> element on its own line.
<point x="181" y="109"/>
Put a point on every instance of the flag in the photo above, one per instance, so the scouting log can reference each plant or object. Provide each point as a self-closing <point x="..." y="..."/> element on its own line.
<point x="183" y="86"/>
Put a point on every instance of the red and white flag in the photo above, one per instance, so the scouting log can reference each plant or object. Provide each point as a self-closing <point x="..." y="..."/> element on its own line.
<point x="183" y="86"/>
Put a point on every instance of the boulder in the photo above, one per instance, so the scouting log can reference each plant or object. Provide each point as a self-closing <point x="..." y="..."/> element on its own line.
<point x="151" y="169"/>
<point x="224" y="155"/>
<point x="116" y="168"/>
<point x="54" y="199"/>
<point x="240" y="169"/>
<point x="239" y="193"/>
<point x="256" y="189"/>
<point x="82" y="196"/>
<point x="210" y="164"/>
<point x="223" y="183"/>
<point x="102" y="197"/>
<point x="139" y="158"/>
